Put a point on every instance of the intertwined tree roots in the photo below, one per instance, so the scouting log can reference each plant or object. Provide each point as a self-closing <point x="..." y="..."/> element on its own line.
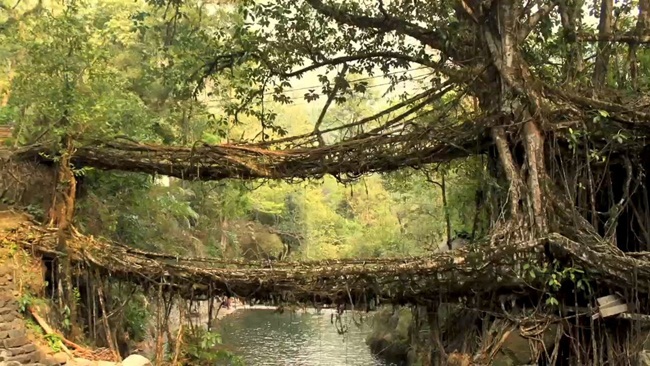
<point x="481" y="269"/>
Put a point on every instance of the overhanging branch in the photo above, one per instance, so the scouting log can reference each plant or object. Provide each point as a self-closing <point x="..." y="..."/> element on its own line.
<point x="534" y="19"/>
<point x="429" y="37"/>
<point x="352" y="58"/>
<point x="430" y="95"/>
<point x="617" y="38"/>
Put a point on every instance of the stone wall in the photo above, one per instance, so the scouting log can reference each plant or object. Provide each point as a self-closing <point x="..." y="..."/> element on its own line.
<point x="15" y="347"/>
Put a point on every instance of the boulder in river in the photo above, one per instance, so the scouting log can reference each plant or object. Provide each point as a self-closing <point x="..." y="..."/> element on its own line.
<point x="136" y="360"/>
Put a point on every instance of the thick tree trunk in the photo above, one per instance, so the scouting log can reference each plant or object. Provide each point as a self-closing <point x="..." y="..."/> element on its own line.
<point x="604" y="47"/>
<point x="534" y="144"/>
<point x="569" y="16"/>
<point x="519" y="103"/>
<point x="642" y="24"/>
<point x="61" y="214"/>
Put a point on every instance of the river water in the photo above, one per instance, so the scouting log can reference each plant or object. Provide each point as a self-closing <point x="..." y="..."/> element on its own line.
<point x="262" y="337"/>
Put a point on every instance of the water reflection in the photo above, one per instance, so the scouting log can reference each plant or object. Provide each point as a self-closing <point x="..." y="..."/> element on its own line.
<point x="262" y="337"/>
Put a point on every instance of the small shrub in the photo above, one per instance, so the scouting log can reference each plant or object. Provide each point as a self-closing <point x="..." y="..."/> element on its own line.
<point x="33" y="327"/>
<point x="54" y="341"/>
<point x="202" y="347"/>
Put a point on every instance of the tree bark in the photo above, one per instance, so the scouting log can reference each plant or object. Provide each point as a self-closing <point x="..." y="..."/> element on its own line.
<point x="604" y="48"/>
<point x="534" y="143"/>
<point x="642" y="23"/>
<point x="510" y="169"/>
<point x="569" y="18"/>
<point x="519" y="103"/>
<point x="61" y="214"/>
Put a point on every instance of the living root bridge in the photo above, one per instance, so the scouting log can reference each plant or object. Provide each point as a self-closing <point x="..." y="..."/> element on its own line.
<point x="375" y="153"/>
<point x="413" y="280"/>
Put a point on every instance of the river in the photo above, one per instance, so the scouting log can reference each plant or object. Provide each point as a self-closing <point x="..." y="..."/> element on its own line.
<point x="262" y="337"/>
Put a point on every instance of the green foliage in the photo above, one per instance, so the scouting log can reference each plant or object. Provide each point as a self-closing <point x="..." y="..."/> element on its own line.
<point x="558" y="276"/>
<point x="65" y="317"/>
<point x="202" y="347"/>
<point x="98" y="71"/>
<point x="65" y="82"/>
<point x="54" y="341"/>
<point x="24" y="302"/>
<point x="8" y="114"/>
<point x="136" y="317"/>
<point x="33" y="327"/>
<point x="27" y="300"/>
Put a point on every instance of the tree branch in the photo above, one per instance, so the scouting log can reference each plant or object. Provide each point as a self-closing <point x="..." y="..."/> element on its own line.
<point x="15" y="19"/>
<point x="352" y="58"/>
<point x="534" y="19"/>
<point x="330" y="98"/>
<point x="374" y="117"/>
<point x="429" y="37"/>
<point x="637" y="119"/>
<point x="512" y="173"/>
<point x="617" y="38"/>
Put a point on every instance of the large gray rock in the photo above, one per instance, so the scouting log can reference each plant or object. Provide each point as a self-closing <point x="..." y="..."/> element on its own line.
<point x="136" y="360"/>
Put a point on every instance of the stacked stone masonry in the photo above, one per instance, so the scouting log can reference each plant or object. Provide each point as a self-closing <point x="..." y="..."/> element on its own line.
<point x="15" y="347"/>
